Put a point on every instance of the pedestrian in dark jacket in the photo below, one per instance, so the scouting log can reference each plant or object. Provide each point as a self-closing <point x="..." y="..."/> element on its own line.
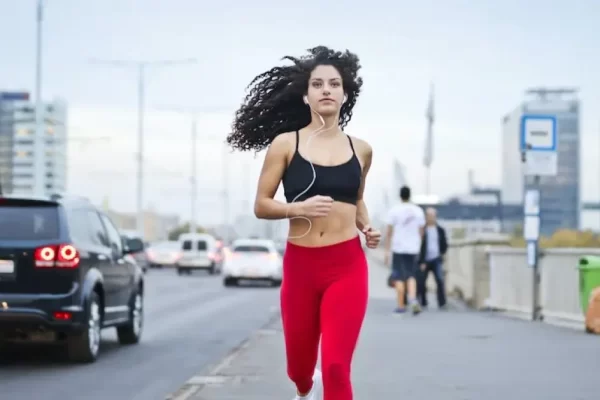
<point x="431" y="258"/>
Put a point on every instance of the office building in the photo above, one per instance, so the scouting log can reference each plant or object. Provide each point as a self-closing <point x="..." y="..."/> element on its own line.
<point x="17" y="135"/>
<point x="560" y="194"/>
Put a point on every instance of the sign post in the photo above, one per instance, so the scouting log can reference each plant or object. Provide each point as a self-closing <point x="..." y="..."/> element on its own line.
<point x="540" y="158"/>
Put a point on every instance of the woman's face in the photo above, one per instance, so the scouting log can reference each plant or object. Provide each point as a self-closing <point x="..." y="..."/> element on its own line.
<point x="325" y="90"/>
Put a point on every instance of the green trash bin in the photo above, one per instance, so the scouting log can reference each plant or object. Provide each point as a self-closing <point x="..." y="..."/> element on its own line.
<point x="589" y="278"/>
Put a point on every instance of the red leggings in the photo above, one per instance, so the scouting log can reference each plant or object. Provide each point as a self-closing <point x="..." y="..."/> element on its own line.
<point x="324" y="292"/>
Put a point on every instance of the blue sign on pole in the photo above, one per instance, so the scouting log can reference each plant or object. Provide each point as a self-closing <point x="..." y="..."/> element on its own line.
<point x="539" y="142"/>
<point x="14" y="96"/>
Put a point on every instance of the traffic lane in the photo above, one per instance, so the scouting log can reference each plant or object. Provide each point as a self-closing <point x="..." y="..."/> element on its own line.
<point x="191" y="322"/>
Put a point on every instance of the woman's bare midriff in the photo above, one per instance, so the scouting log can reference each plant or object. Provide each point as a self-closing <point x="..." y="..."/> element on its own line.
<point x="338" y="226"/>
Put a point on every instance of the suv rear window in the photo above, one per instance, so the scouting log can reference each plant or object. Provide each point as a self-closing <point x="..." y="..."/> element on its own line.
<point x="21" y="222"/>
<point x="252" y="249"/>
<point x="202" y="246"/>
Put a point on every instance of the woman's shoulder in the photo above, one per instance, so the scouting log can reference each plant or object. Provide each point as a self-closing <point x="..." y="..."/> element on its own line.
<point x="283" y="144"/>
<point x="284" y="139"/>
<point x="361" y="146"/>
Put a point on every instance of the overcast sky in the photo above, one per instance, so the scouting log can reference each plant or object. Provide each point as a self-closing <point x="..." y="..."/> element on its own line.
<point x="481" y="55"/>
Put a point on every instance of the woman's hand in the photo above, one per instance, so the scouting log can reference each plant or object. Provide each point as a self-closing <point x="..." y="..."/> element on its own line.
<point x="372" y="236"/>
<point x="316" y="206"/>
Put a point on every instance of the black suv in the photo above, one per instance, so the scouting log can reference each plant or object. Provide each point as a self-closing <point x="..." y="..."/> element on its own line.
<point x="64" y="275"/>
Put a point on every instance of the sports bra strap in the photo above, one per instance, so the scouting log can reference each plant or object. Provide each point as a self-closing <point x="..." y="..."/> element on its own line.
<point x="297" y="140"/>
<point x="351" y="145"/>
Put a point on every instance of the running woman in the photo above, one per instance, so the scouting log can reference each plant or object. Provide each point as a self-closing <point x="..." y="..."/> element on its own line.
<point x="299" y="112"/>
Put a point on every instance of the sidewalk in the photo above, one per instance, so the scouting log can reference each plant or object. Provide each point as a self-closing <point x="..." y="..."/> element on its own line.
<point x="455" y="355"/>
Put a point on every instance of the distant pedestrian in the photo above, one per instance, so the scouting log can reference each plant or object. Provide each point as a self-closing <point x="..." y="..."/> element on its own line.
<point x="431" y="259"/>
<point x="405" y="224"/>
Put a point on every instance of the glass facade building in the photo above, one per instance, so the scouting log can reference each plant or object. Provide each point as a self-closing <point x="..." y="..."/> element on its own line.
<point x="17" y="133"/>
<point x="560" y="200"/>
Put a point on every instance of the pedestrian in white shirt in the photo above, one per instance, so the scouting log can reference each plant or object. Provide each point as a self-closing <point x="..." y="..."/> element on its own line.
<point x="405" y="227"/>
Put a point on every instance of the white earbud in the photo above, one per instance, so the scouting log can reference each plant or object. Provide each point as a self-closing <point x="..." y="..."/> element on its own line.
<point x="320" y="130"/>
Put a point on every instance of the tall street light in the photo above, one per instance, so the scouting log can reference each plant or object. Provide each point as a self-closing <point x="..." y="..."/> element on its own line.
<point x="194" y="113"/>
<point x="39" y="158"/>
<point x="142" y="67"/>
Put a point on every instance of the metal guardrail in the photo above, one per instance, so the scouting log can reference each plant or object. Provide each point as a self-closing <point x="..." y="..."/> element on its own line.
<point x="498" y="277"/>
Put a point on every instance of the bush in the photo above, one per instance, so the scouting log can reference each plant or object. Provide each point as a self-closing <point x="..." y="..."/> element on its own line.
<point x="185" y="228"/>
<point x="563" y="238"/>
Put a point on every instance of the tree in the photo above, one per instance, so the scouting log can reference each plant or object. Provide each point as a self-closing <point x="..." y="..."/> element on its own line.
<point x="563" y="238"/>
<point x="185" y="228"/>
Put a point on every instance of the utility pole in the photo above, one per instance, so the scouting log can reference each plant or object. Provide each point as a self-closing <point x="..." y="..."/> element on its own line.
<point x="194" y="178"/>
<point x="194" y="113"/>
<point x="39" y="156"/>
<point x="226" y="202"/>
<point x="142" y="67"/>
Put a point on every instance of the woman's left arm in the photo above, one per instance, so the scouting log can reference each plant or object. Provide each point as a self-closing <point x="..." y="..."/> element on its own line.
<point x="362" y="214"/>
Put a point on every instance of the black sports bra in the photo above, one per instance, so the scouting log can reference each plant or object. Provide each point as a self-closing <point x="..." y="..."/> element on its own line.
<point x="340" y="182"/>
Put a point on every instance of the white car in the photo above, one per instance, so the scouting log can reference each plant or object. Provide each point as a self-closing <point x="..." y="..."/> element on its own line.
<point x="197" y="251"/>
<point x="163" y="254"/>
<point x="252" y="259"/>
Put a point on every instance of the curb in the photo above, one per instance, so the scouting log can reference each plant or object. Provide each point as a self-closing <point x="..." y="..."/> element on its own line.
<point x="212" y="374"/>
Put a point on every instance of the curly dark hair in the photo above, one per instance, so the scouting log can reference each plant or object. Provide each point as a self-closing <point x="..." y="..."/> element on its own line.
<point x="274" y="102"/>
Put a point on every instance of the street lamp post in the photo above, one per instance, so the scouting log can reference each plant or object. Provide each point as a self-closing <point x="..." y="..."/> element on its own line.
<point x="39" y="158"/>
<point x="194" y="112"/>
<point x="142" y="67"/>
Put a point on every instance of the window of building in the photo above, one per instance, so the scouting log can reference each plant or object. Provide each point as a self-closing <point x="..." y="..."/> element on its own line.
<point x="568" y="124"/>
<point x="22" y="187"/>
<point x="22" y="176"/>
<point x="23" y="154"/>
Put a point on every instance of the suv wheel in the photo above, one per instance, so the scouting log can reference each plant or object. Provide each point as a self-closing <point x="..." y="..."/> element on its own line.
<point x="132" y="332"/>
<point x="85" y="346"/>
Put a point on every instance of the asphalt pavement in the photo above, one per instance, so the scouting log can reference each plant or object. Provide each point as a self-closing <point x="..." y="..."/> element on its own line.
<point x="191" y="322"/>
<point x="453" y="355"/>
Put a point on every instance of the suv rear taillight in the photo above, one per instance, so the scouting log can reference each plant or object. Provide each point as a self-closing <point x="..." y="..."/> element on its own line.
<point x="60" y="256"/>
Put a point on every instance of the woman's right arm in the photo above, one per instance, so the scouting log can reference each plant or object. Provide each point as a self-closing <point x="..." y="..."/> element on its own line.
<point x="265" y="206"/>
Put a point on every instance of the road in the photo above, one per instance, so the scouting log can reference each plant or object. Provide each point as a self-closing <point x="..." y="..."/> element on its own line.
<point x="191" y="323"/>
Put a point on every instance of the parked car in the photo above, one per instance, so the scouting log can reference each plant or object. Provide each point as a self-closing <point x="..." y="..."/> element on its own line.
<point x="281" y="247"/>
<point x="163" y="254"/>
<point x="134" y="240"/>
<point x="199" y="251"/>
<point x="253" y="259"/>
<point x="64" y="276"/>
